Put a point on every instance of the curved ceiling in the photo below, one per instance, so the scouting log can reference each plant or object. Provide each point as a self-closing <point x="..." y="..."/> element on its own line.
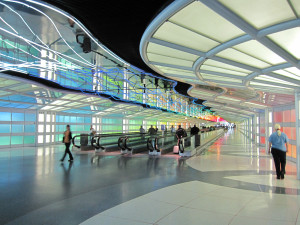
<point x="248" y="48"/>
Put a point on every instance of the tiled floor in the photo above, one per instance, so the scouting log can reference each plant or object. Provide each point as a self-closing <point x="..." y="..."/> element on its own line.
<point x="202" y="202"/>
<point x="233" y="182"/>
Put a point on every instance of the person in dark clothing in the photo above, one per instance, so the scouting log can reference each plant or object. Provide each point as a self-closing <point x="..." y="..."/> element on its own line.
<point x="180" y="132"/>
<point x="151" y="130"/>
<point x="67" y="140"/>
<point x="278" y="146"/>
<point x="194" y="130"/>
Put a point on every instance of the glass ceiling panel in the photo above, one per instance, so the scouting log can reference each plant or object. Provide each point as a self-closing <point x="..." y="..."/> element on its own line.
<point x="293" y="70"/>
<point x="287" y="74"/>
<point x="181" y="36"/>
<point x="175" y="71"/>
<point x="5" y="83"/>
<point x="221" y="70"/>
<point x="288" y="40"/>
<point x="238" y="56"/>
<point x="219" y="78"/>
<point x="261" y="13"/>
<point x="202" y="93"/>
<point x="268" y="85"/>
<point x="228" y="98"/>
<point x="296" y="5"/>
<point x="214" y="63"/>
<point x="272" y="79"/>
<point x="259" y="51"/>
<point x="162" y="50"/>
<point x="168" y="60"/>
<point x="273" y="89"/>
<point x="213" y="26"/>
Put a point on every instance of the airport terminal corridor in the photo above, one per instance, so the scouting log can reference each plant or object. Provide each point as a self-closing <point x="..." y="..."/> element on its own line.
<point x="231" y="182"/>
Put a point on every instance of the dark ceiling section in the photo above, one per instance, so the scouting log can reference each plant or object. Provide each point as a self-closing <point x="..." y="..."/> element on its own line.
<point x="119" y="25"/>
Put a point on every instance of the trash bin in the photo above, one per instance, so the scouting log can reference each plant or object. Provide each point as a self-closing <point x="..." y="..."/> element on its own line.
<point x="197" y="139"/>
<point x="84" y="140"/>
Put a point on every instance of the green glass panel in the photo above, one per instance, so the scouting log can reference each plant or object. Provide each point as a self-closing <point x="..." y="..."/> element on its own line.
<point x="29" y="139"/>
<point x="16" y="140"/>
<point x="5" y="140"/>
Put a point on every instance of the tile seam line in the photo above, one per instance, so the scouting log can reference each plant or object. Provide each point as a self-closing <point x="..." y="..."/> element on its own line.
<point x="116" y="217"/>
<point x="241" y="210"/>
<point x="297" y="216"/>
<point x="156" y="222"/>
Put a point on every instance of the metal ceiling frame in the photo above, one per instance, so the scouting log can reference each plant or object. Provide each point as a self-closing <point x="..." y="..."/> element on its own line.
<point x="251" y="34"/>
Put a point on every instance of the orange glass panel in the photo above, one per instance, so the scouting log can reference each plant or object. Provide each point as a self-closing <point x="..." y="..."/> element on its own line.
<point x="262" y="140"/>
<point x="294" y="151"/>
<point x="290" y="152"/>
<point x="288" y="132"/>
<point x="262" y="130"/>
<point x="293" y="115"/>
<point x="287" y="116"/>
<point x="277" y="117"/>
<point x="293" y="133"/>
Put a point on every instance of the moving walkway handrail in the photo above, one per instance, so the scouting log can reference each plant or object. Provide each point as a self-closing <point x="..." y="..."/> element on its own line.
<point x="121" y="143"/>
<point x="150" y="147"/>
<point x="73" y="142"/>
<point x="97" y="146"/>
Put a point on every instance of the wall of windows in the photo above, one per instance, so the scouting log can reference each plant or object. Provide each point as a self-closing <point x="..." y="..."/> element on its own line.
<point x="286" y="117"/>
<point x="17" y="127"/>
<point x="20" y="127"/>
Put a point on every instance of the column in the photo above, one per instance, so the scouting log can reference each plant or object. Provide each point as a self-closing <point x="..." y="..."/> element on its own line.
<point x="297" y="99"/>
<point x="266" y="129"/>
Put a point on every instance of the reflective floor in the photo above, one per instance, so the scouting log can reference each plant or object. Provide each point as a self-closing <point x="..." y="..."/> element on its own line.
<point x="233" y="182"/>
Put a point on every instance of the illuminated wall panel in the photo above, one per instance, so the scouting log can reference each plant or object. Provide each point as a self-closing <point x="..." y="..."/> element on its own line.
<point x="294" y="151"/>
<point x="293" y="133"/>
<point x="278" y="117"/>
<point x="293" y="115"/>
<point x="289" y="153"/>
<point x="287" y="116"/>
<point x="262" y="140"/>
<point x="288" y="132"/>
<point x="4" y="140"/>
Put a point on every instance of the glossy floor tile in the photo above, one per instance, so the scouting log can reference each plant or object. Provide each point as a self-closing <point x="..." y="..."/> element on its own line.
<point x="232" y="182"/>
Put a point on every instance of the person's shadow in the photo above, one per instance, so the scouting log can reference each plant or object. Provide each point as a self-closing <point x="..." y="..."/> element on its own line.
<point x="66" y="184"/>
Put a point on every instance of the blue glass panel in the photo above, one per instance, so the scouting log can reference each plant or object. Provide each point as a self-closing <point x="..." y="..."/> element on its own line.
<point x="17" y="116"/>
<point x="80" y="119"/>
<point x="17" y="128"/>
<point x="67" y="119"/>
<point x="72" y="119"/>
<point x="5" y="116"/>
<point x="4" y="128"/>
<point x="87" y="120"/>
<point x="30" y="128"/>
<point x="30" y="117"/>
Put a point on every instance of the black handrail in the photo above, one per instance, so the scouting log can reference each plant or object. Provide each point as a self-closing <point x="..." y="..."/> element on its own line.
<point x="121" y="143"/>
<point x="97" y="142"/>
<point x="125" y="144"/>
<point x="73" y="142"/>
<point x="150" y="147"/>
<point x="180" y="143"/>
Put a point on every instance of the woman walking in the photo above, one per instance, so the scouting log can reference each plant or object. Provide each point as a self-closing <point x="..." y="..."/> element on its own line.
<point x="67" y="140"/>
<point x="278" y="146"/>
